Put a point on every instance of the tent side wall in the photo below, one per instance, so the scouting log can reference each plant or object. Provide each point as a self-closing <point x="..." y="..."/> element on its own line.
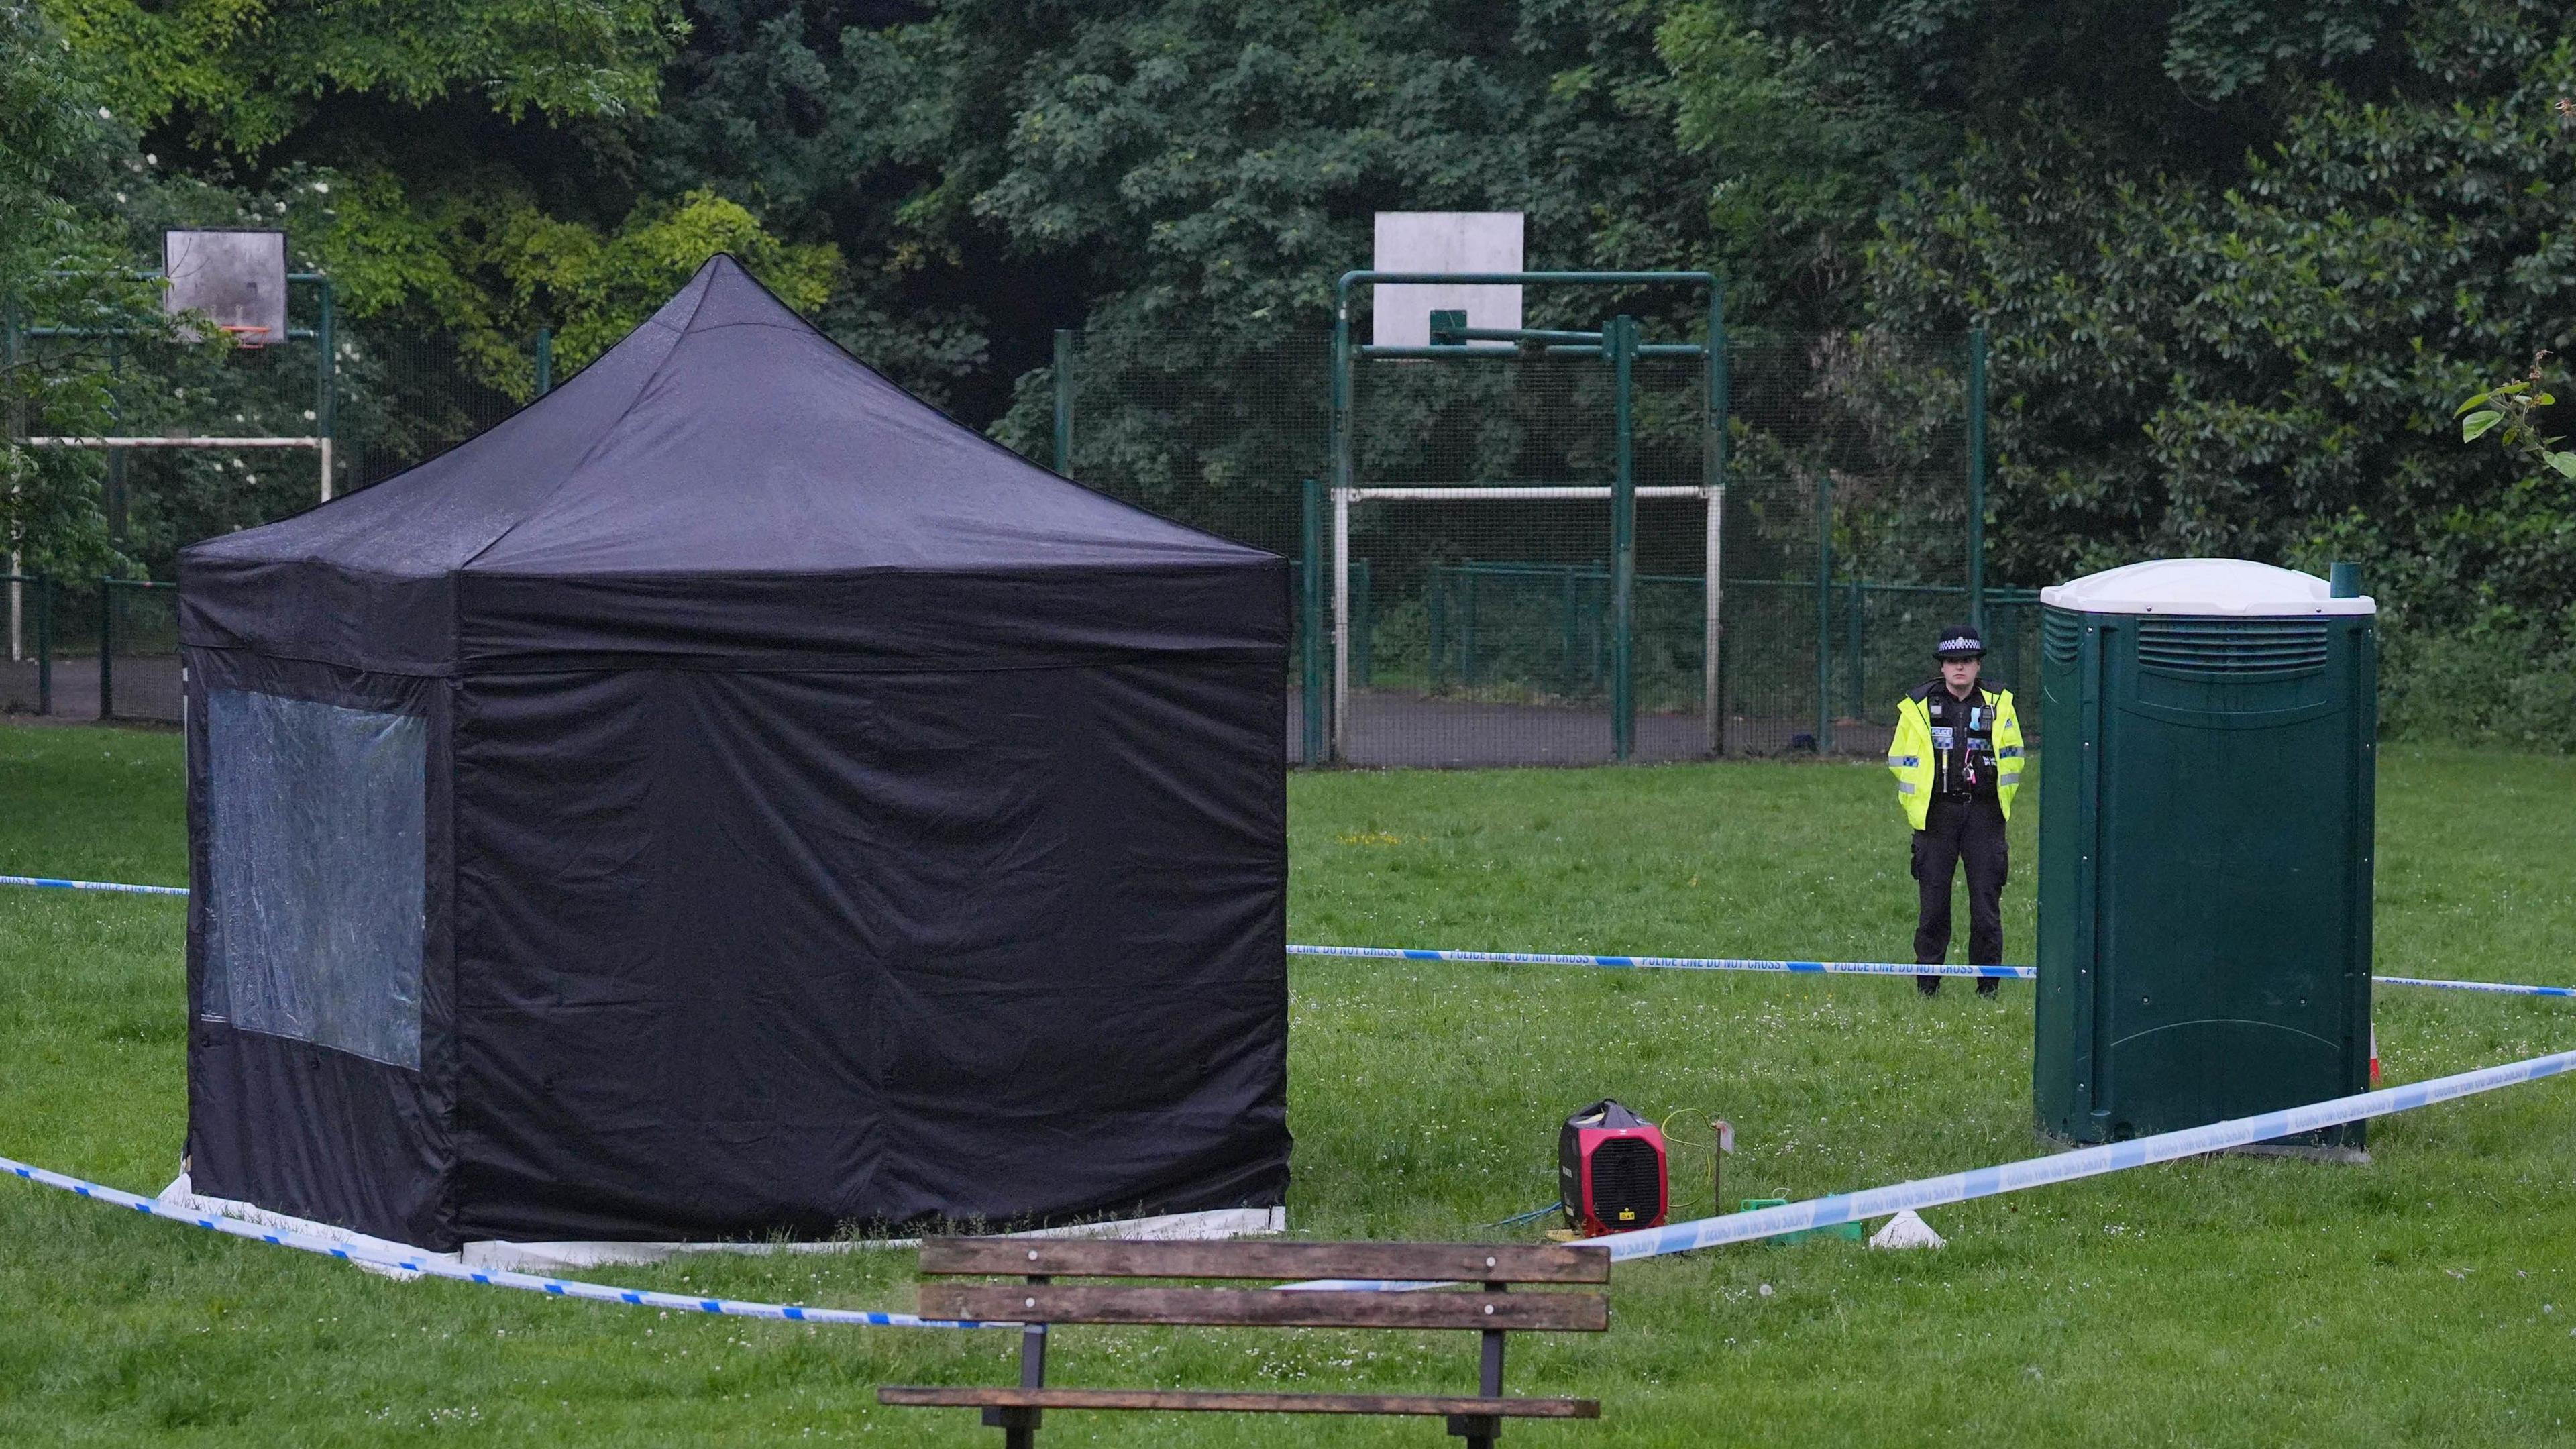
<point x="319" y="981"/>
<point x="760" y="950"/>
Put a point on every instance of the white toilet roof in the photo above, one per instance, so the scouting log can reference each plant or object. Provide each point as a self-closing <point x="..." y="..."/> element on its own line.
<point x="2204" y="586"/>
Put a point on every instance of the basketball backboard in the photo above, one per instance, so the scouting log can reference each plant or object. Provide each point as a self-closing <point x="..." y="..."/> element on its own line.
<point x="236" y="277"/>
<point x="1444" y="241"/>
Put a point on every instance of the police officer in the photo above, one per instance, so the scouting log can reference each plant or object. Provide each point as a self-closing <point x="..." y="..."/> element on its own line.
<point x="1957" y="760"/>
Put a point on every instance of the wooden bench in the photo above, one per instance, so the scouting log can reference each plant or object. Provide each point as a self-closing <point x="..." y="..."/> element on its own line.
<point x="1488" y="1305"/>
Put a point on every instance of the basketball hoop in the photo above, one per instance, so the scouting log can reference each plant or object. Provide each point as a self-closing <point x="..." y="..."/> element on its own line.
<point x="235" y="278"/>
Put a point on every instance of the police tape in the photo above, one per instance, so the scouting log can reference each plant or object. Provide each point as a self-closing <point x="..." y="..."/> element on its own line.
<point x="1684" y="1237"/>
<point x="1828" y="968"/>
<point x="1958" y="1187"/>
<point x="1672" y="963"/>
<point x="1560" y="958"/>
<point x="435" y="1266"/>
<point x="2500" y="987"/>
<point x="92" y="885"/>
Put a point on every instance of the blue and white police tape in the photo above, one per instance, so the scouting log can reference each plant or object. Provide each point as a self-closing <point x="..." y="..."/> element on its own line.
<point x="2503" y="988"/>
<point x="433" y="1266"/>
<point x="1671" y="963"/>
<point x="1829" y="968"/>
<point x="92" y="885"/>
<point x="1825" y="1212"/>
<point x="1559" y="958"/>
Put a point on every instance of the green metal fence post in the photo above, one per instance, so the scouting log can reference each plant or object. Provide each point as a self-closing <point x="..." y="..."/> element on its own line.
<point x="1363" y="624"/>
<point x="1852" y="628"/>
<point x="1338" y="432"/>
<point x="1064" y="401"/>
<point x="545" y="360"/>
<point x="1977" y="476"/>
<point x="1572" y="627"/>
<point x="10" y="357"/>
<point x="1310" y="672"/>
<point x="45" y="646"/>
<point x="1439" y="628"/>
<point x="1467" y="627"/>
<point x="326" y="391"/>
<point x="116" y="478"/>
<point x="1620" y="334"/>
<point x="1712" y="464"/>
<point x="1824" y="612"/>
<point x="106" y="649"/>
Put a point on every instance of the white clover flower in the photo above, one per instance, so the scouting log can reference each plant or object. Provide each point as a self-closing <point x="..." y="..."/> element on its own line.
<point x="151" y="160"/>
<point x="105" y="115"/>
<point x="308" y="415"/>
<point x="324" y="187"/>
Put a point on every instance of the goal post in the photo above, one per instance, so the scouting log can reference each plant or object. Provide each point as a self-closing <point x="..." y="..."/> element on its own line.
<point x="1452" y="659"/>
<point x="1523" y="435"/>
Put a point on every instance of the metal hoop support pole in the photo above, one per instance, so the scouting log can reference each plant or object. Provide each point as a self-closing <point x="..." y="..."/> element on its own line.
<point x="1620" y="336"/>
<point x="326" y="372"/>
<point x="1977" y="476"/>
<point x="1712" y="464"/>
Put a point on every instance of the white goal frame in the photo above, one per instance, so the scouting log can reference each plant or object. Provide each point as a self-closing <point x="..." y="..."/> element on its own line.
<point x="1714" y="497"/>
<point x="17" y="591"/>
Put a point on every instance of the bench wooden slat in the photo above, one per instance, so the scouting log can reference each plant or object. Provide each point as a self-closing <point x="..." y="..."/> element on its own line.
<point x="1195" y="1401"/>
<point x="1412" y="1262"/>
<point x="1265" y="1307"/>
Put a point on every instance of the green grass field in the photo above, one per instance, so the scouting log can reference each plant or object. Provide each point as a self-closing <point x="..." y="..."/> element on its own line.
<point x="2427" y="1298"/>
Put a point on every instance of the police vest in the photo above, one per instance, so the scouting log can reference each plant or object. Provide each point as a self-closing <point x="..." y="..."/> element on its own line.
<point x="1914" y="756"/>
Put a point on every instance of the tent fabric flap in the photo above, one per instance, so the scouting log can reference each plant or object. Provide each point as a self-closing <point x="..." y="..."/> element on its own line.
<point x="760" y="951"/>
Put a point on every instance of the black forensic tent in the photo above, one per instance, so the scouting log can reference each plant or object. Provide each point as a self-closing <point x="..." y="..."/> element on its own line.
<point x="729" y="797"/>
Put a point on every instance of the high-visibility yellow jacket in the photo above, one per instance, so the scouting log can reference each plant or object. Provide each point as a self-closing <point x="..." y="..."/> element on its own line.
<point x="1910" y="754"/>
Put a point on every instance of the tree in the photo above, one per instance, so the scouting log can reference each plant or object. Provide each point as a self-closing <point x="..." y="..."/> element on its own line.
<point x="62" y="153"/>
<point x="454" y="165"/>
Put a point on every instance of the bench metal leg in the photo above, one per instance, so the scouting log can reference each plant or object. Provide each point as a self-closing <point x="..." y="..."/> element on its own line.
<point x="1479" y="1430"/>
<point x="1019" y="1426"/>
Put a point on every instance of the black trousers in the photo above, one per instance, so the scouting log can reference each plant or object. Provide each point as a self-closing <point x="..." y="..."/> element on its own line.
<point x="1956" y="832"/>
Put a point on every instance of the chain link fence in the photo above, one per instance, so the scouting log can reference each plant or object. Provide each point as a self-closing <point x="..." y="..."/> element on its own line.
<point x="1479" y="613"/>
<point x="27" y="671"/>
<point x="1478" y="621"/>
<point x="382" y="396"/>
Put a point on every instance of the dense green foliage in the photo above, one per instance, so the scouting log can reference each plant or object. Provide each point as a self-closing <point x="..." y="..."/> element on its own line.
<point x="2240" y="258"/>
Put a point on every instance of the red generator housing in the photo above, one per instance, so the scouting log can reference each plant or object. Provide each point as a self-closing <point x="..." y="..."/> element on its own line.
<point x="1611" y="1171"/>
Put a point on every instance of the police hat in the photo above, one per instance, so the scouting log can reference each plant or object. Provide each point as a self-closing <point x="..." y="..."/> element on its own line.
<point x="1961" y="641"/>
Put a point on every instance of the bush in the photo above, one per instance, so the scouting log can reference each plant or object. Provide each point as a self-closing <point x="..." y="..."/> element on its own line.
<point x="2505" y="681"/>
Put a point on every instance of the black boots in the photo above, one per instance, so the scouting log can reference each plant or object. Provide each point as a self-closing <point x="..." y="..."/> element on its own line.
<point x="1931" y="985"/>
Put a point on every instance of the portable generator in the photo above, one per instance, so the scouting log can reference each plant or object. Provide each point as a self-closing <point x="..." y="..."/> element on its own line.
<point x="1611" y="1172"/>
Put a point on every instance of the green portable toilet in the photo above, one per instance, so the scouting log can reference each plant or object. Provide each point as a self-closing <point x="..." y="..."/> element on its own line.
<point x="2204" y="849"/>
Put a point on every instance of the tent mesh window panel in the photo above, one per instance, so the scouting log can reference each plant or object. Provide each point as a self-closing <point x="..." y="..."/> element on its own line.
<point x="316" y="856"/>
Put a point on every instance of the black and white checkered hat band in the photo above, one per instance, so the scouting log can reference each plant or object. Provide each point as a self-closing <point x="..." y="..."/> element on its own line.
<point x="1962" y="643"/>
